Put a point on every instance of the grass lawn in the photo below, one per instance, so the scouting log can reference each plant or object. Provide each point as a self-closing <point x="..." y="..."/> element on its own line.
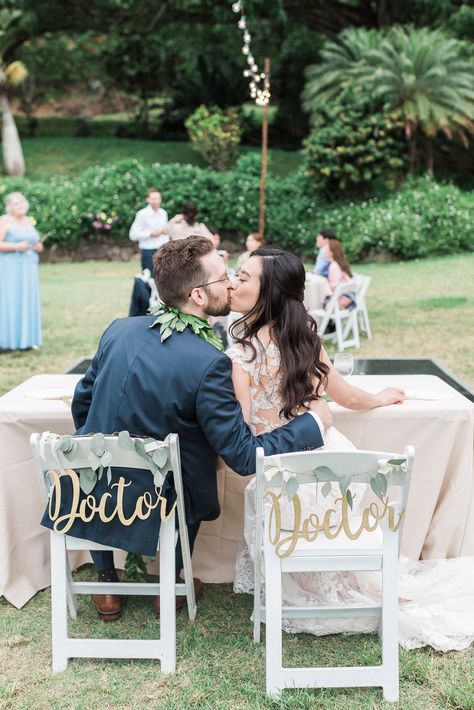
<point x="417" y="309"/>
<point x="46" y="156"/>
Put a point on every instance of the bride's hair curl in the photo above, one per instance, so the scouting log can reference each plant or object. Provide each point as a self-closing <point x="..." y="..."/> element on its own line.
<point x="280" y="306"/>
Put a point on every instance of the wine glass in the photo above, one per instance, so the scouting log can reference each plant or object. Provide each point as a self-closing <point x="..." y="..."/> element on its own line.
<point x="344" y="363"/>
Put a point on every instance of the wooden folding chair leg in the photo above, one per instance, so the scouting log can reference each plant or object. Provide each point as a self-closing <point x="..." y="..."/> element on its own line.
<point x="273" y="629"/>
<point x="389" y="621"/>
<point x="167" y="597"/>
<point x="59" y="622"/>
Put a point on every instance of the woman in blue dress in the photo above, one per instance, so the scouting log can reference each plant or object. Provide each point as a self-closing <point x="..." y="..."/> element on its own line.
<point x="20" y="314"/>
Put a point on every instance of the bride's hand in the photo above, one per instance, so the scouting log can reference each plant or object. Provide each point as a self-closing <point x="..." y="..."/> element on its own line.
<point x="390" y="395"/>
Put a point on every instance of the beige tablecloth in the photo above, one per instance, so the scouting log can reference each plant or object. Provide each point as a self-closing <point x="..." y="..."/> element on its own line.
<point x="440" y="513"/>
<point x="440" y="516"/>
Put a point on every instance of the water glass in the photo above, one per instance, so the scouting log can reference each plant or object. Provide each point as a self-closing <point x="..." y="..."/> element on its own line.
<point x="344" y="363"/>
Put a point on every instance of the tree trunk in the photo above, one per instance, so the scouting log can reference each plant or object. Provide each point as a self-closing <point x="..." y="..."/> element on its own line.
<point x="13" y="160"/>
<point x="412" y="155"/>
<point x="429" y="154"/>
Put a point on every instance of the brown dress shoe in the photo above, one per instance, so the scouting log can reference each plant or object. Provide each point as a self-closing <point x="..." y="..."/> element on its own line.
<point x="109" y="606"/>
<point x="181" y="601"/>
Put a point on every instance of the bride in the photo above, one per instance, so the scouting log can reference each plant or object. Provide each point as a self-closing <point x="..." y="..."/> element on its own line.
<point x="279" y="365"/>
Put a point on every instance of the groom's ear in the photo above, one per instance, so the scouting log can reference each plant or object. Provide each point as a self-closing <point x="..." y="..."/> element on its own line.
<point x="197" y="297"/>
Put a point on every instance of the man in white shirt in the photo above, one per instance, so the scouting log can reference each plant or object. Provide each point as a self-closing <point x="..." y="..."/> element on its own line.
<point x="147" y="226"/>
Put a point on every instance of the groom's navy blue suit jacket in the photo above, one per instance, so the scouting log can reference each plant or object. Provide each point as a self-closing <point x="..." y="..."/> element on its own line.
<point x="183" y="385"/>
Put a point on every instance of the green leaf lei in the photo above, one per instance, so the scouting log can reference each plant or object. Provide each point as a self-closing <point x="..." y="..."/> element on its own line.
<point x="170" y="318"/>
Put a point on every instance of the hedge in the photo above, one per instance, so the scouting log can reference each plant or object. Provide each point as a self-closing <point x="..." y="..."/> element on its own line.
<point x="424" y="218"/>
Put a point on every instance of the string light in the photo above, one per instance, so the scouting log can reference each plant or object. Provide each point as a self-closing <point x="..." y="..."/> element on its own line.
<point x="260" y="94"/>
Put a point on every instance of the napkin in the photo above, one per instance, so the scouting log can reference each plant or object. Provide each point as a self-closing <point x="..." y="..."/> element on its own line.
<point x="64" y="394"/>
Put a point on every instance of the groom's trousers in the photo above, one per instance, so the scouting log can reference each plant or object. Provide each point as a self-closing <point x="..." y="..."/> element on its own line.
<point x="105" y="560"/>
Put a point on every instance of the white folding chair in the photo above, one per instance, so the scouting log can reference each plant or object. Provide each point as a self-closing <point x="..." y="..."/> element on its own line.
<point x="49" y="458"/>
<point x="376" y="549"/>
<point x="345" y="319"/>
<point x="361" y="305"/>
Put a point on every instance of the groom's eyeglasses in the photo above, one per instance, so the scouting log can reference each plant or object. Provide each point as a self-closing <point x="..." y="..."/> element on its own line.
<point x="217" y="281"/>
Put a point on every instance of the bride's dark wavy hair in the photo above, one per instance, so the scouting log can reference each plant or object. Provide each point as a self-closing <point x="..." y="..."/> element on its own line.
<point x="280" y="306"/>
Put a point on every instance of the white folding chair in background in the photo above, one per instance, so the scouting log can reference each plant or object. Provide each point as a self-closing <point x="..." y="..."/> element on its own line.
<point x="361" y="305"/>
<point x="377" y="549"/>
<point x="346" y="324"/>
<point x="64" y="589"/>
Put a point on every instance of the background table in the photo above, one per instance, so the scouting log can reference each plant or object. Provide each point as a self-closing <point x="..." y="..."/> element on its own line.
<point x="440" y="515"/>
<point x="315" y="291"/>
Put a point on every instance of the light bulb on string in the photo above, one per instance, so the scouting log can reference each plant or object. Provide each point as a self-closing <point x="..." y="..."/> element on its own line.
<point x="258" y="82"/>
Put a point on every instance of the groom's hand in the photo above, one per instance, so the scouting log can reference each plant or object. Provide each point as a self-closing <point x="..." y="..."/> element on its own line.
<point x="321" y="408"/>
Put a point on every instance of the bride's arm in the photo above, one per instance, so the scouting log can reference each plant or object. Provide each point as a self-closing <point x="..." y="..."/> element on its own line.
<point x="241" y="380"/>
<point x="352" y="397"/>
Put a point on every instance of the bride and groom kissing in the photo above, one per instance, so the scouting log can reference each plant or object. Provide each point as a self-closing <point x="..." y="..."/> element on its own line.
<point x="152" y="376"/>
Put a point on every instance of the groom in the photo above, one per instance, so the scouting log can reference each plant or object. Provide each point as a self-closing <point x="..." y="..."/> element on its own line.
<point x="152" y="386"/>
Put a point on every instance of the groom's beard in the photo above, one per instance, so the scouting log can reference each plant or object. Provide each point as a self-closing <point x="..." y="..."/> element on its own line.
<point x="217" y="307"/>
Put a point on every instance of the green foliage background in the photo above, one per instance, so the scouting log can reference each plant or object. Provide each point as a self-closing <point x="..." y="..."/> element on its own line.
<point x="424" y="218"/>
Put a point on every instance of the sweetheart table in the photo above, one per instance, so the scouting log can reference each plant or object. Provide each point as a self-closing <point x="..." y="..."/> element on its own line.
<point x="440" y="513"/>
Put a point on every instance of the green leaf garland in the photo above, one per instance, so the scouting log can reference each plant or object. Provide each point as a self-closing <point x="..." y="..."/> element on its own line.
<point x="172" y="319"/>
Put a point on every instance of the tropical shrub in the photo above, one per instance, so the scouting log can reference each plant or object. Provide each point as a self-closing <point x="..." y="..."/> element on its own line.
<point x="424" y="218"/>
<point x="215" y="135"/>
<point x="424" y="73"/>
<point x="351" y="145"/>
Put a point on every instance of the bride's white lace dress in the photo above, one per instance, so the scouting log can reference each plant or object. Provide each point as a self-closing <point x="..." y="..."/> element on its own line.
<point x="435" y="596"/>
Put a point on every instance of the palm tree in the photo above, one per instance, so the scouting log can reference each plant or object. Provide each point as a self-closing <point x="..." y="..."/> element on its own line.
<point x="425" y="74"/>
<point x="338" y="68"/>
<point x="11" y="75"/>
<point x="422" y="72"/>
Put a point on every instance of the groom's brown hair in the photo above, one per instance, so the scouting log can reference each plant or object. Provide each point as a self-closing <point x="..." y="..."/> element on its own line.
<point x="178" y="269"/>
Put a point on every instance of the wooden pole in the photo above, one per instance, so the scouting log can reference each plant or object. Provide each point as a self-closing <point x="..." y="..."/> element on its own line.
<point x="263" y="174"/>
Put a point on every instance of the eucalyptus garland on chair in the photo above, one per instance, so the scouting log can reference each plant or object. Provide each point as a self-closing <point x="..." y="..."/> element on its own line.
<point x="378" y="480"/>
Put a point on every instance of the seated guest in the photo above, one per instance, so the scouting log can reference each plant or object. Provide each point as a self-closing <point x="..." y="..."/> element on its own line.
<point x="185" y="224"/>
<point x="147" y="228"/>
<point x="339" y="272"/>
<point x="254" y="241"/>
<point x="323" y="240"/>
